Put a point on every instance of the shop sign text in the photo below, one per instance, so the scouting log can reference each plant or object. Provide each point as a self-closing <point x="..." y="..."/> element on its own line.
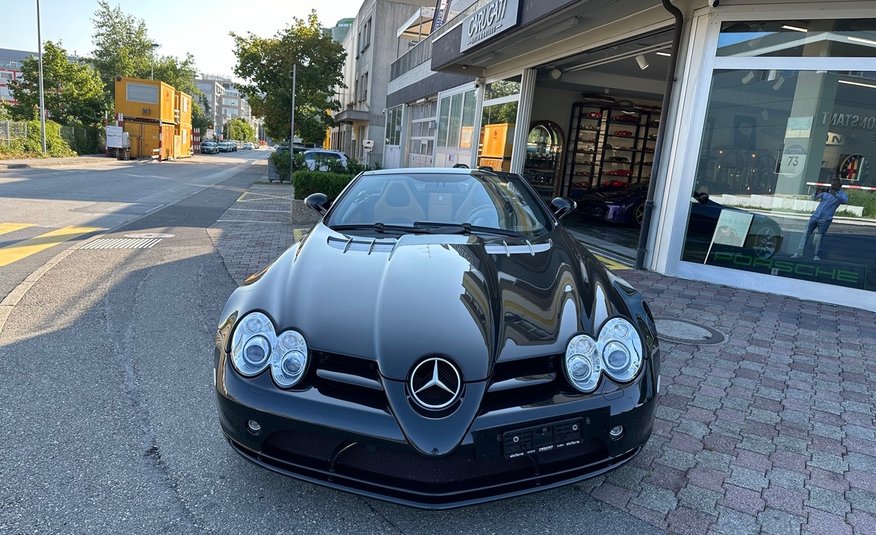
<point x="492" y="19"/>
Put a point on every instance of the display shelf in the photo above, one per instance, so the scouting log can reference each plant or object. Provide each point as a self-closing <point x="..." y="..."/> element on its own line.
<point x="597" y="129"/>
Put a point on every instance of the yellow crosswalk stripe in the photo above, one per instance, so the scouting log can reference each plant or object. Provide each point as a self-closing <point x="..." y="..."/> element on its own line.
<point x="6" y="228"/>
<point x="611" y="264"/>
<point x="25" y="248"/>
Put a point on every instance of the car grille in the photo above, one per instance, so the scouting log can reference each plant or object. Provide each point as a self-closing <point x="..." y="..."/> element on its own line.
<point x="512" y="384"/>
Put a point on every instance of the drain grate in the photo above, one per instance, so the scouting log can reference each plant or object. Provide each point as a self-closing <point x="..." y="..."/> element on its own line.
<point x="686" y="332"/>
<point x="122" y="243"/>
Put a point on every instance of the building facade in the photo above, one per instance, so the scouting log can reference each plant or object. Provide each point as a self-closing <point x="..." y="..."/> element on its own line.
<point x="10" y="69"/>
<point x="371" y="44"/>
<point x="736" y="149"/>
<point x="226" y="103"/>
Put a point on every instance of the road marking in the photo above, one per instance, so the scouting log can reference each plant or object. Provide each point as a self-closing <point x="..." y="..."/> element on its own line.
<point x="6" y="228"/>
<point x="612" y="264"/>
<point x="25" y="248"/>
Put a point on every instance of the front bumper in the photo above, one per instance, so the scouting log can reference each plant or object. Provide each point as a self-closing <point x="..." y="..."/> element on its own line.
<point x="313" y="436"/>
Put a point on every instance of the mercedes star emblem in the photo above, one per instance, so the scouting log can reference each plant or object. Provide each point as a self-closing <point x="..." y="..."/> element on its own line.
<point x="435" y="384"/>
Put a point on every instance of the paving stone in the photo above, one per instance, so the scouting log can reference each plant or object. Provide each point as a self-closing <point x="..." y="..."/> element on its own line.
<point x="694" y="429"/>
<point x="827" y="500"/>
<point x="827" y="480"/>
<point x="680" y="460"/>
<point x="655" y="498"/>
<point x="862" y="523"/>
<point x="742" y="499"/>
<point x="613" y="495"/>
<point x="862" y="462"/>
<point x="667" y="477"/>
<point x="707" y="478"/>
<point x="789" y="479"/>
<point x="825" y="523"/>
<point x="757" y="444"/>
<point x="733" y="522"/>
<point x="790" y="501"/>
<point x="860" y="479"/>
<point x="782" y="458"/>
<point x="777" y="522"/>
<point x="862" y="500"/>
<point x="627" y="476"/>
<point x="687" y="521"/>
<point x="715" y="460"/>
<point x="755" y="461"/>
<point x="699" y="499"/>
<point x="829" y="462"/>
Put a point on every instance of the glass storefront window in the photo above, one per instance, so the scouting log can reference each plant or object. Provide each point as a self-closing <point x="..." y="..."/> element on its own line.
<point x="498" y="121"/>
<point x="784" y="184"/>
<point x="799" y="38"/>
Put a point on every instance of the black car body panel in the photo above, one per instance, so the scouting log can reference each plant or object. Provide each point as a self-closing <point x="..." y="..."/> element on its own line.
<point x="503" y="310"/>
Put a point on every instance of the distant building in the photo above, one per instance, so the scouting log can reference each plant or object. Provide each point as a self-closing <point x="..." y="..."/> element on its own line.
<point x="226" y="102"/>
<point x="10" y="69"/>
<point x="340" y="30"/>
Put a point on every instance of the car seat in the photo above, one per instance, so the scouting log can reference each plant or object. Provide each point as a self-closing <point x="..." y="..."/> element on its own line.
<point x="397" y="204"/>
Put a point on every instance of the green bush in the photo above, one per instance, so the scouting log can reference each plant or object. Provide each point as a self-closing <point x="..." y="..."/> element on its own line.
<point x="867" y="199"/>
<point x="281" y="163"/>
<point x="31" y="146"/>
<point x="82" y="139"/>
<point x="307" y="182"/>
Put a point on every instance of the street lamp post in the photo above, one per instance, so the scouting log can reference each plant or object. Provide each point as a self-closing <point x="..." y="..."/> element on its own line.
<point x="152" y="62"/>
<point x="42" y="91"/>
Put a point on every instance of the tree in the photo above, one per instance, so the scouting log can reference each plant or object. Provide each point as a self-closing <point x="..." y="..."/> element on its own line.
<point x="266" y="65"/>
<point x="73" y="90"/>
<point x="239" y="129"/>
<point x="122" y="46"/>
<point x="200" y="112"/>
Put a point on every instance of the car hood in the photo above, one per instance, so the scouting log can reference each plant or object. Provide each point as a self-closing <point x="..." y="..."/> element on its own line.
<point x="396" y="301"/>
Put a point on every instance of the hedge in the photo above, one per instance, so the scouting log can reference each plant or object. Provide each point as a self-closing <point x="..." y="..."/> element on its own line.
<point x="31" y="146"/>
<point x="867" y="199"/>
<point x="307" y="182"/>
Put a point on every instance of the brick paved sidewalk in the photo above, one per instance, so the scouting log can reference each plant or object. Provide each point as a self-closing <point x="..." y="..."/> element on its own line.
<point x="771" y="431"/>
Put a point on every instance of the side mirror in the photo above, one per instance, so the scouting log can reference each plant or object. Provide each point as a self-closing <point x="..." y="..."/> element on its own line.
<point x="562" y="207"/>
<point x="318" y="202"/>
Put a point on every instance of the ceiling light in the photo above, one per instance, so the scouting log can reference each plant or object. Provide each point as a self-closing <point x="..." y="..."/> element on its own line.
<point x="859" y="84"/>
<point x="772" y="75"/>
<point x="643" y="63"/>
<point x="794" y="28"/>
<point x="555" y="73"/>
<point x="861" y="40"/>
<point x="664" y="54"/>
<point x="779" y="83"/>
<point x="748" y="77"/>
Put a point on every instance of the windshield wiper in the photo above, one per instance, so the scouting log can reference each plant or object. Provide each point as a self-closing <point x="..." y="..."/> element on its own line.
<point x="378" y="227"/>
<point x="432" y="227"/>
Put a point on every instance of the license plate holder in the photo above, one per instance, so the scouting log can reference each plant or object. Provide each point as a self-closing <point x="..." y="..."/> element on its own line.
<point x="542" y="438"/>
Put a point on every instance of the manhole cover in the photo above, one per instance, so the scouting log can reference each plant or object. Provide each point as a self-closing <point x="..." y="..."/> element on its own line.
<point x="148" y="235"/>
<point x="686" y="332"/>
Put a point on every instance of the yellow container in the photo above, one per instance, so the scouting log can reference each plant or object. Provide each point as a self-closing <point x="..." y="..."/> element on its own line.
<point x="143" y="137"/>
<point x="183" y="110"/>
<point x="183" y="141"/>
<point x="149" y="100"/>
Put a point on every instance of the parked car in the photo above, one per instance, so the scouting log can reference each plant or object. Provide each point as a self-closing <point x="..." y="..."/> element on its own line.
<point x="227" y="146"/>
<point x="209" y="147"/>
<point x="249" y="145"/>
<point x="627" y="206"/>
<point x="318" y="159"/>
<point x="438" y="339"/>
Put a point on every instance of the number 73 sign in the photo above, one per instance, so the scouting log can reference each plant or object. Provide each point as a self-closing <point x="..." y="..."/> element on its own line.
<point x="793" y="161"/>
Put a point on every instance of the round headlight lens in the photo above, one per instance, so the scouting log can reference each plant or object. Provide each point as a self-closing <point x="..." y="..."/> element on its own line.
<point x="621" y="349"/>
<point x="290" y="360"/>
<point x="583" y="365"/>
<point x="251" y="344"/>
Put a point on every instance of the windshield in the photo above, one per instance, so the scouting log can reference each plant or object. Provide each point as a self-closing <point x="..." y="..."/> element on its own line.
<point x="478" y="201"/>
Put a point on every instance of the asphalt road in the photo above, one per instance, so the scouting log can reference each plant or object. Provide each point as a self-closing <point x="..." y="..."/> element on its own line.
<point x="108" y="411"/>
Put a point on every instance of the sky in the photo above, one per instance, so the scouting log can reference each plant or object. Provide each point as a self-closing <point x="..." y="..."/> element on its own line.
<point x="179" y="26"/>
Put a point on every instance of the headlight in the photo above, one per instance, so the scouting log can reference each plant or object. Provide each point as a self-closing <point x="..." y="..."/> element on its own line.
<point x="617" y="351"/>
<point x="255" y="346"/>
<point x="621" y="349"/>
<point x="290" y="362"/>
<point x="251" y="344"/>
<point x="583" y="364"/>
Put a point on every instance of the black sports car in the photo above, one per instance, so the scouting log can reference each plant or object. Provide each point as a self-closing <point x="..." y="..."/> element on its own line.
<point x="437" y="340"/>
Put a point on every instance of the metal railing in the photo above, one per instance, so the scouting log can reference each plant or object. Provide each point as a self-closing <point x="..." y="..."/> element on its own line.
<point x="11" y="130"/>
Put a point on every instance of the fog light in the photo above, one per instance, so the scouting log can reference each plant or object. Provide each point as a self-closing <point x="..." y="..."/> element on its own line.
<point x="616" y="431"/>
<point x="254" y="427"/>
